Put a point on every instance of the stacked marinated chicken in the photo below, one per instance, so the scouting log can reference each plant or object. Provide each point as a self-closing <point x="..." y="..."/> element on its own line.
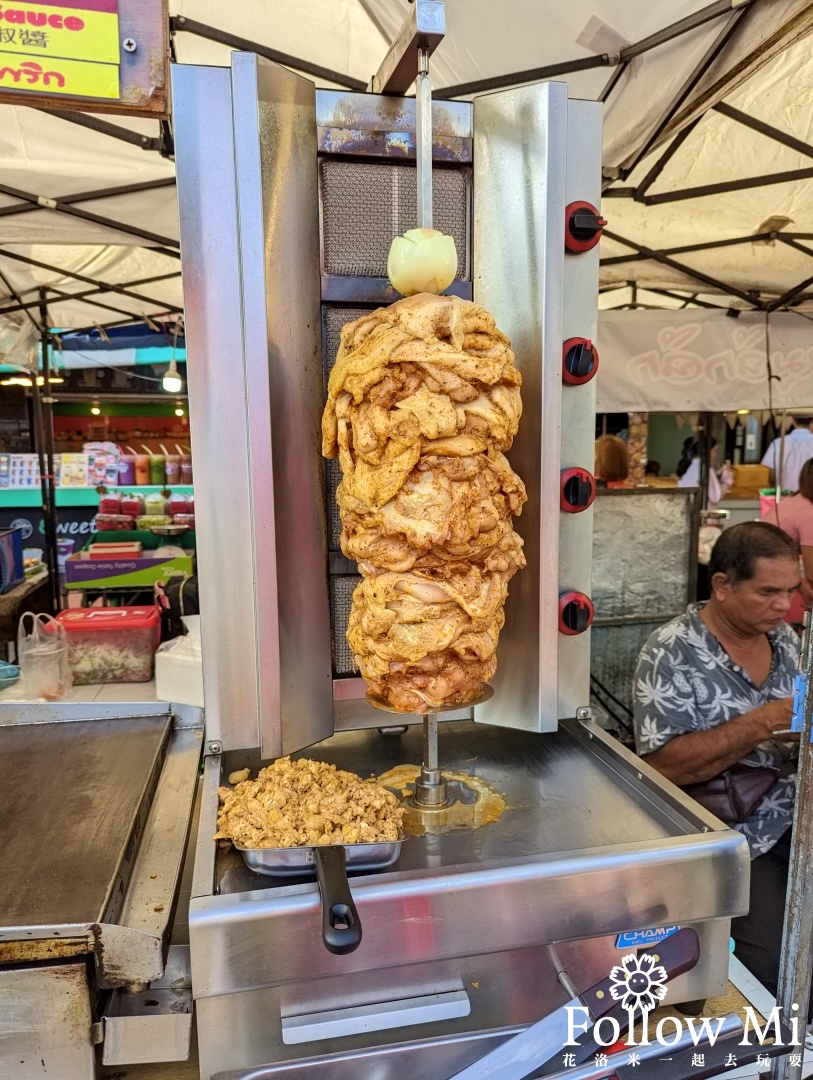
<point x="422" y="402"/>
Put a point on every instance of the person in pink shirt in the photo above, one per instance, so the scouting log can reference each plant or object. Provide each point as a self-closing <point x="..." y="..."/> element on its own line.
<point x="794" y="515"/>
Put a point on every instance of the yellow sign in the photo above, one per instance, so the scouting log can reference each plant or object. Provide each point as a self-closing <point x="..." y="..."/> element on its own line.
<point x="60" y="47"/>
<point x="75" y="78"/>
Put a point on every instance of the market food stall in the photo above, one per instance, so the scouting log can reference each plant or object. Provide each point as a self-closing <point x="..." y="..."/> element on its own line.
<point x="469" y="933"/>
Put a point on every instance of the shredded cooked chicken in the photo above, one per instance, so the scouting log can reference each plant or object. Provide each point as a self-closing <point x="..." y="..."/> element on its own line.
<point x="307" y="803"/>
<point x="422" y="401"/>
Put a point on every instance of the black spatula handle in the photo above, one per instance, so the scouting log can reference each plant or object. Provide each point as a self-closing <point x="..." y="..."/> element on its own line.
<point x="341" y="926"/>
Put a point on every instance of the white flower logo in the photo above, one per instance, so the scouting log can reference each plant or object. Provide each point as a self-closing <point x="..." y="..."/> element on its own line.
<point x="639" y="982"/>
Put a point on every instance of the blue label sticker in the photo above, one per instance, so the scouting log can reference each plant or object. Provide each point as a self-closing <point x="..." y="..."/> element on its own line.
<point x="640" y="939"/>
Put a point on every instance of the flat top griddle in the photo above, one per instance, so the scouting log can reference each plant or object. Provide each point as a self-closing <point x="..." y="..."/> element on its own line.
<point x="71" y="798"/>
<point x="560" y="797"/>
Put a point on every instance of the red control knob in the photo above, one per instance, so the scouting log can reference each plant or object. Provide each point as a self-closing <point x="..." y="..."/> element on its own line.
<point x="583" y="226"/>
<point x="575" y="613"/>
<point x="577" y="490"/>
<point x="579" y="361"/>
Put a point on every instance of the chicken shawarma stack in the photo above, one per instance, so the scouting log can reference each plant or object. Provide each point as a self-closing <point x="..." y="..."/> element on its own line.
<point x="422" y="402"/>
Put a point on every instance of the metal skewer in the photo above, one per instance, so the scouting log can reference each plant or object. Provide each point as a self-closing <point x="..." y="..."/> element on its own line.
<point x="431" y="789"/>
<point x="423" y="140"/>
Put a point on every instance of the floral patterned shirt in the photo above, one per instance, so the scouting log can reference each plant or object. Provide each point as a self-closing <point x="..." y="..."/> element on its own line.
<point x="685" y="681"/>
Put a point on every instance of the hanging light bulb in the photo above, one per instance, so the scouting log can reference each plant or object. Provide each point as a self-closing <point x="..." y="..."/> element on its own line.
<point x="95" y="410"/>
<point x="172" y="380"/>
<point x="179" y="411"/>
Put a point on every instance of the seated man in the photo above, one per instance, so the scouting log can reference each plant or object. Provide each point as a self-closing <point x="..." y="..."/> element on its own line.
<point x="713" y="689"/>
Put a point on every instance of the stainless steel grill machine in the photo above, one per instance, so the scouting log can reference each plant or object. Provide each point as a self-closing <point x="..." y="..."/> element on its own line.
<point x="289" y="197"/>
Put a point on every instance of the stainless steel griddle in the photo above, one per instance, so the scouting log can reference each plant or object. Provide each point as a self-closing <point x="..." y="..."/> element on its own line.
<point x="89" y="784"/>
<point x="95" y="812"/>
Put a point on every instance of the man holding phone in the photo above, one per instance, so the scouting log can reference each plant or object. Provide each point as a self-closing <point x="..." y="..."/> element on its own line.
<point x="713" y="704"/>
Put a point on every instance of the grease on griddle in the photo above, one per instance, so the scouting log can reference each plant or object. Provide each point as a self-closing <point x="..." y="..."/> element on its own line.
<point x="476" y="804"/>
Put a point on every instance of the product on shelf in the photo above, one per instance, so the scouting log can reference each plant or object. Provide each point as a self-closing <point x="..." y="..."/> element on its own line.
<point x="186" y="469"/>
<point x="110" y="503"/>
<point x="112" y="523"/>
<point x="103" y="463"/>
<point x="24" y="471"/>
<point x="158" y="472"/>
<point x="149" y="521"/>
<point x="142" y="469"/>
<point x="126" y="549"/>
<point x="173" y="468"/>
<point x="155" y="504"/>
<point x="127" y="474"/>
<point x="184" y="519"/>
<point x="73" y="470"/>
<point x="132" y="505"/>
<point x="111" y="645"/>
<point x="179" y="504"/>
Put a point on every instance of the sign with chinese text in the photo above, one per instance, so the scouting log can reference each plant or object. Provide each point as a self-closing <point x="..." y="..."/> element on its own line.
<point x="66" y="47"/>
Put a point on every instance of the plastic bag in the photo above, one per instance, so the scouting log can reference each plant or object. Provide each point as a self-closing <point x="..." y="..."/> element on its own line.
<point x="42" y="656"/>
<point x="179" y="667"/>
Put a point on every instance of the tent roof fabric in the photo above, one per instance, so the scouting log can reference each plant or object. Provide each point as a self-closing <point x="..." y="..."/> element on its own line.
<point x="671" y="97"/>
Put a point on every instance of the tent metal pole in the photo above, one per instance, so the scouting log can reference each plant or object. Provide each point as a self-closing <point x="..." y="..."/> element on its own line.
<point x="136" y="320"/>
<point x="103" y="285"/>
<point x="37" y="426"/>
<point x="104" y="127"/>
<point x="763" y="128"/>
<point x="41" y="202"/>
<point x="89" y="292"/>
<point x="736" y="16"/>
<point x="794" y="244"/>
<point x="39" y="445"/>
<point x="701" y="190"/>
<point x="60" y="294"/>
<point x="695" y="301"/>
<point x="501" y="82"/>
<point x="709" y="246"/>
<point x="665" y="158"/>
<point x="88" y="196"/>
<point x="46" y="403"/>
<point x="668" y="33"/>
<point x="682" y="26"/>
<point x="658" y="256"/>
<point x="192" y="26"/>
<point x="790" y="295"/>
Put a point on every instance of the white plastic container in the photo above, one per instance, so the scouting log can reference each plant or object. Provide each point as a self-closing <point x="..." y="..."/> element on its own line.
<point x="179" y="667"/>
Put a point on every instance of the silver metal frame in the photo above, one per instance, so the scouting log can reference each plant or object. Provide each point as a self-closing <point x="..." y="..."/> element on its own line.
<point x="251" y="236"/>
<point x="580" y="319"/>
<point x="520" y="154"/>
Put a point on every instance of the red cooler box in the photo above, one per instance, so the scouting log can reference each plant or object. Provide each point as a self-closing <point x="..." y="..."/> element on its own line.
<point x="111" y="645"/>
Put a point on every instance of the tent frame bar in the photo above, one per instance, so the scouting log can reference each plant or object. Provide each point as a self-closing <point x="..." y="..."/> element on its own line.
<point x="664" y="159"/>
<point x="768" y="130"/>
<point x="679" y="194"/>
<point x="737" y="14"/>
<point x="666" y="260"/>
<point x="668" y="33"/>
<point x="24" y="306"/>
<point x="42" y="202"/>
<point x="90" y="196"/>
<point x="114" y="131"/>
<point x="103" y="286"/>
<point x="192" y="26"/>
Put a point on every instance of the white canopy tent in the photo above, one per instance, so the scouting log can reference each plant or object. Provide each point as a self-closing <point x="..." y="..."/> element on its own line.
<point x="686" y="86"/>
